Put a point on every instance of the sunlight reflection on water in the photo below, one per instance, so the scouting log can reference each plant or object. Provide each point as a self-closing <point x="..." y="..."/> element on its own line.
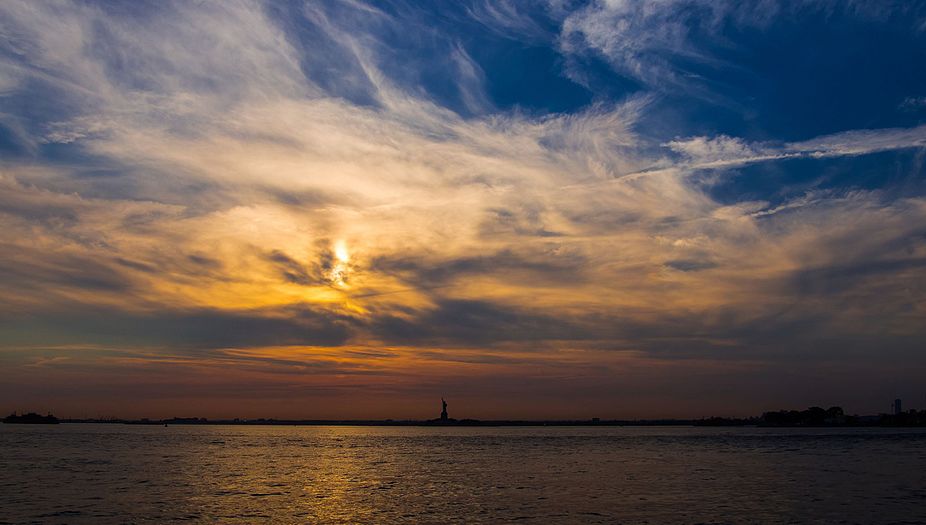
<point x="119" y="473"/>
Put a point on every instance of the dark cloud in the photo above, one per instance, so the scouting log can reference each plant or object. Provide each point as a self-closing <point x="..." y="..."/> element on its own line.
<point x="467" y="322"/>
<point x="314" y="273"/>
<point x="527" y="223"/>
<point x="291" y="270"/>
<point x="36" y="206"/>
<point x="136" y="265"/>
<point x="302" y="199"/>
<point x="61" y="270"/>
<point x="184" y="329"/>
<point x="845" y="278"/>
<point x="690" y="265"/>
<point x="554" y="266"/>
<point x="206" y="262"/>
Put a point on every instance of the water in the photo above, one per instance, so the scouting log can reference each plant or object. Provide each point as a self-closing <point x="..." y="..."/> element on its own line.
<point x="236" y="474"/>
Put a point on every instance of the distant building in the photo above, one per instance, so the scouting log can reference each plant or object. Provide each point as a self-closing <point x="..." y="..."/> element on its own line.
<point x="898" y="408"/>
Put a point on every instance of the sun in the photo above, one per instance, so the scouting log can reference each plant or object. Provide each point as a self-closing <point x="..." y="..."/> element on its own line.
<point x="340" y="251"/>
<point x="341" y="268"/>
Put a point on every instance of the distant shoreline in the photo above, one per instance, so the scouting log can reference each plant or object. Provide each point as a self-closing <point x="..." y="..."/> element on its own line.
<point x="391" y="423"/>
<point x="488" y="423"/>
<point x="813" y="417"/>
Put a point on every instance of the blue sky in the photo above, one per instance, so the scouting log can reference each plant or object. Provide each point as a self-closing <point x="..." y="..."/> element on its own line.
<point x="659" y="207"/>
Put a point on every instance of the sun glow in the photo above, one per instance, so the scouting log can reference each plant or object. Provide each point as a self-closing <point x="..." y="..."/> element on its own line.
<point x="340" y="251"/>
<point x="341" y="265"/>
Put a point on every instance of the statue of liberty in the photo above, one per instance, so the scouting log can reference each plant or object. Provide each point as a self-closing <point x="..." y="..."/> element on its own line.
<point x="443" y="412"/>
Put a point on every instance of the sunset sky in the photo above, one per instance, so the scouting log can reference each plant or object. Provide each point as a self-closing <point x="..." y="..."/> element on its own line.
<point x="535" y="209"/>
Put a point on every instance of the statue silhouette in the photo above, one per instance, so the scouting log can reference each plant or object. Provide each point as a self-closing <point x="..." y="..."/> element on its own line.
<point x="443" y="412"/>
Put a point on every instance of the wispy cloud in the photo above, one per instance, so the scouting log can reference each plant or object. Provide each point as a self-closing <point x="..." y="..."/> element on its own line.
<point x="667" y="44"/>
<point x="652" y="40"/>
<point x="913" y="103"/>
<point x="724" y="152"/>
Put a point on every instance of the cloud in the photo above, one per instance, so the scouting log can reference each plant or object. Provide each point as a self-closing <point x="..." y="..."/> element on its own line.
<point x="190" y="201"/>
<point x="651" y="41"/>
<point x="711" y="150"/>
<point x="702" y="152"/>
<point x="184" y="331"/>
<point x="674" y="45"/>
<point x="913" y="103"/>
<point x="517" y="20"/>
<point x="471" y="81"/>
<point x="860" y="142"/>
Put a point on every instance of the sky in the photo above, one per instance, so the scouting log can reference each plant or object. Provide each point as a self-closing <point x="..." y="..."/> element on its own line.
<point x="535" y="209"/>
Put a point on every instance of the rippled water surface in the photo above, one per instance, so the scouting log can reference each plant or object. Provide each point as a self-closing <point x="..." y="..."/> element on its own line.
<point x="80" y="473"/>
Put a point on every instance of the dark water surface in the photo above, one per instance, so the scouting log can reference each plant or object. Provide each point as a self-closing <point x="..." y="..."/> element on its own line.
<point x="80" y="473"/>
